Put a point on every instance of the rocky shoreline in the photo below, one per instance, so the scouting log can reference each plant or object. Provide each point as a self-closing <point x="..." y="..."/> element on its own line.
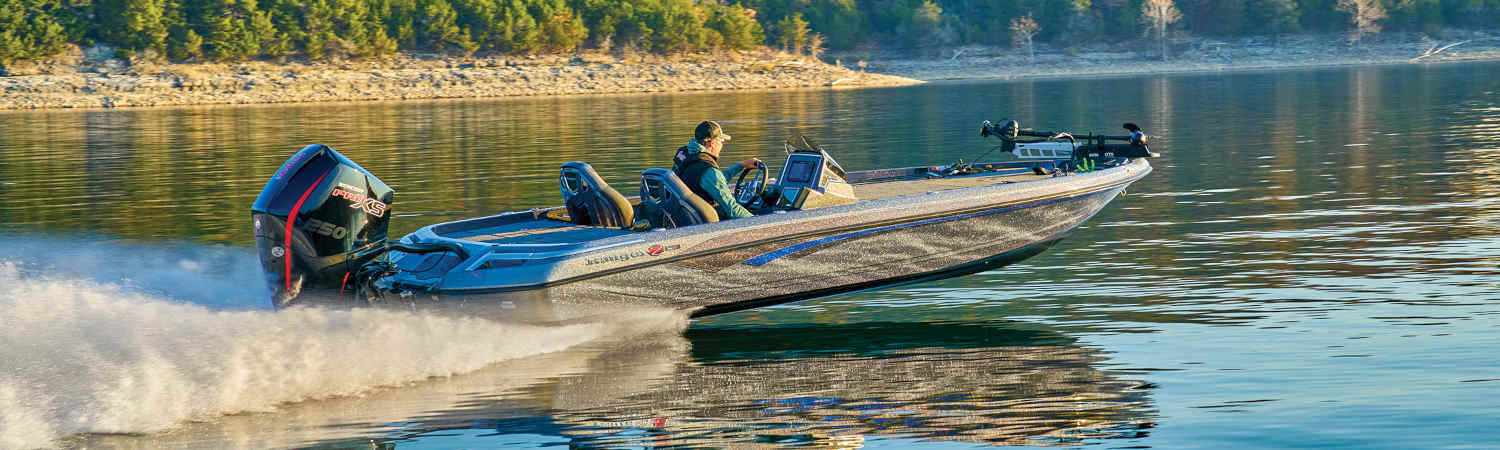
<point x="1190" y="55"/>
<point x="82" y="81"/>
<point x="93" y="79"/>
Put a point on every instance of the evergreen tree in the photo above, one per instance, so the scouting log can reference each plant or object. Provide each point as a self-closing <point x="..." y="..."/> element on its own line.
<point x="132" y="25"/>
<point x="837" y="20"/>
<point x="792" y="31"/>
<point x="1215" y="17"/>
<point x="397" y="18"/>
<point x="1081" y="23"/>
<point x="1415" y="15"/>
<point x="600" y="17"/>
<point x="1273" y="17"/>
<point x="521" y="33"/>
<point x="483" y="20"/>
<point x="437" y="24"/>
<point x="559" y="29"/>
<point x="681" y="26"/>
<point x="268" y="40"/>
<point x="301" y="25"/>
<point x="564" y="31"/>
<point x="234" y="31"/>
<point x="737" y="28"/>
<point x="231" y="30"/>
<point x="30" y="29"/>
<point x="1320" y="15"/>
<point x="183" y="42"/>
<point x="144" y="27"/>
<point x="190" y="47"/>
<point x="357" y="30"/>
<point x="927" y="27"/>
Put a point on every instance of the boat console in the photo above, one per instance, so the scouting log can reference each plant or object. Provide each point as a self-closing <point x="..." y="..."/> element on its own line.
<point x="812" y="180"/>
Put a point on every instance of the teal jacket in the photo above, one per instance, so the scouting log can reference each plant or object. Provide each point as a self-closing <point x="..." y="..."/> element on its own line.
<point x="713" y="182"/>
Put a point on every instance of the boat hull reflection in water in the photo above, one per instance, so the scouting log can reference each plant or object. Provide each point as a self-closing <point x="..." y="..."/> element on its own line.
<point x="839" y="384"/>
<point x="990" y="383"/>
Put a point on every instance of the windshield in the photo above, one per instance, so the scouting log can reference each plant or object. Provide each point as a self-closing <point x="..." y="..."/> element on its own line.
<point x="799" y="143"/>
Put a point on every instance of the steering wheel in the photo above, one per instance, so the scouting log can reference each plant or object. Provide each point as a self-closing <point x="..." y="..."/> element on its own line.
<point x="748" y="193"/>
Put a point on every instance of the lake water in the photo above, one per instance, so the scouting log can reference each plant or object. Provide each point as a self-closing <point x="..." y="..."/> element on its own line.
<point x="1315" y="262"/>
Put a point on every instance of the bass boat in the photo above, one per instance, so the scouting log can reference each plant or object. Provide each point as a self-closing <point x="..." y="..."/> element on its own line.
<point x="320" y="228"/>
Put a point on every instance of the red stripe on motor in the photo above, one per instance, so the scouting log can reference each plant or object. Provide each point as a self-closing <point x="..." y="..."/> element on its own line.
<point x="291" y="219"/>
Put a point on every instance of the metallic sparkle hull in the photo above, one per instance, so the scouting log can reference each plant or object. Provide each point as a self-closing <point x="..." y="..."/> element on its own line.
<point x="733" y="265"/>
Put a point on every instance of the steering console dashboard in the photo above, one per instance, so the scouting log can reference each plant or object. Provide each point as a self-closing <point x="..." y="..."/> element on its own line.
<point x="812" y="180"/>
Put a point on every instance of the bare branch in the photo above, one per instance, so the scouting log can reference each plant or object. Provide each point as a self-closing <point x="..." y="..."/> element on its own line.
<point x="1434" y="50"/>
<point x="1364" y="14"/>
<point x="1158" y="14"/>
<point x="1023" y="29"/>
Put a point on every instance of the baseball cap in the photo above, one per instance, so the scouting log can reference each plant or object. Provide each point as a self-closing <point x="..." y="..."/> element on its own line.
<point x="710" y="130"/>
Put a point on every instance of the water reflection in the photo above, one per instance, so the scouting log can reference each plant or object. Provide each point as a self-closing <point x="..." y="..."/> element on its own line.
<point x="970" y="382"/>
<point x="992" y="382"/>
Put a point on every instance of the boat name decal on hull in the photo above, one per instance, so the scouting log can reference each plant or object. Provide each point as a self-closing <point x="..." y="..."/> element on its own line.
<point x="654" y="250"/>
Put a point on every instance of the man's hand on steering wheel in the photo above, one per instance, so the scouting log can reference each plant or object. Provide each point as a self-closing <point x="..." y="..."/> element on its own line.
<point x="749" y="192"/>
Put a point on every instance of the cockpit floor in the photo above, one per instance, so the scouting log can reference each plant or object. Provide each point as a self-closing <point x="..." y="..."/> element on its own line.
<point x="542" y="231"/>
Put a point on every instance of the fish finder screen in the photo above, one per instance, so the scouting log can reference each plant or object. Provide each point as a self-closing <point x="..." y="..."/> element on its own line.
<point x="799" y="172"/>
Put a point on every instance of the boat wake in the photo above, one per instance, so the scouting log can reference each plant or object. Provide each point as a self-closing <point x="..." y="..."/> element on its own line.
<point x="83" y="355"/>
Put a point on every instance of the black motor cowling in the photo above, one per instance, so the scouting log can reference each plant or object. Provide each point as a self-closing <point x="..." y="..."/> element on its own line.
<point x="317" y="221"/>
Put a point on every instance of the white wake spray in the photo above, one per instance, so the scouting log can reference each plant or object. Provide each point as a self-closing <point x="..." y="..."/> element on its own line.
<point x="80" y="356"/>
<point x="217" y="276"/>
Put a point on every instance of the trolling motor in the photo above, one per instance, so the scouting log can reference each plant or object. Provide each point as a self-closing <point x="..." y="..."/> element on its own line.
<point x="1050" y="145"/>
<point x="1055" y="149"/>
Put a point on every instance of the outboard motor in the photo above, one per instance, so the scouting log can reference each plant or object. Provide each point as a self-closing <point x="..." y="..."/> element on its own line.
<point x="318" y="220"/>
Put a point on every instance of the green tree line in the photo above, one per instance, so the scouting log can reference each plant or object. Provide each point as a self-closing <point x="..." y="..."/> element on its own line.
<point x="228" y="30"/>
<point x="920" y="23"/>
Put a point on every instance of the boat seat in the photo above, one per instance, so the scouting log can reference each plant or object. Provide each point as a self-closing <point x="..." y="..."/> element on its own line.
<point x="666" y="202"/>
<point x="590" y="201"/>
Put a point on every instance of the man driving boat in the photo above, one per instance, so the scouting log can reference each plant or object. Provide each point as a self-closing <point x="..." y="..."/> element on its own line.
<point x="697" y="164"/>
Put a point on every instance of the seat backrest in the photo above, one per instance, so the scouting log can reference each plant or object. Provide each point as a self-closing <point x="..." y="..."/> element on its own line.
<point x="590" y="201"/>
<point x="666" y="202"/>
